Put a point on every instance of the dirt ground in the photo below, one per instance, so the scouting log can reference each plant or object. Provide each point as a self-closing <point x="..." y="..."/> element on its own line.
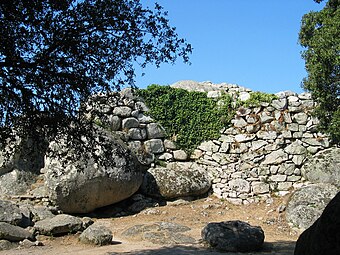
<point x="279" y="238"/>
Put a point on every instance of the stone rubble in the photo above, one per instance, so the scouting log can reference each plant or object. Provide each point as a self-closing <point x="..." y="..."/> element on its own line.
<point x="262" y="152"/>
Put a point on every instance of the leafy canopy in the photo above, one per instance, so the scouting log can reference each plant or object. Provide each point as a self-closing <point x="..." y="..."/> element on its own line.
<point x="55" y="53"/>
<point x="320" y="35"/>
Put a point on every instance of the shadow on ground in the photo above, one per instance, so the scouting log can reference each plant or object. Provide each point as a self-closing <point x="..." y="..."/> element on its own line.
<point x="276" y="248"/>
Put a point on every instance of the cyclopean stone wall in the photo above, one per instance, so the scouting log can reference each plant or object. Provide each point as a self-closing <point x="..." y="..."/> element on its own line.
<point x="262" y="152"/>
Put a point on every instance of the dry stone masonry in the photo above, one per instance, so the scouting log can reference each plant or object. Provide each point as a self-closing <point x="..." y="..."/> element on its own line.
<point x="262" y="152"/>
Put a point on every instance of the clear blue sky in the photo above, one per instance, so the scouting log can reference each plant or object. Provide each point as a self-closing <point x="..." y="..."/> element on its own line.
<point x="252" y="43"/>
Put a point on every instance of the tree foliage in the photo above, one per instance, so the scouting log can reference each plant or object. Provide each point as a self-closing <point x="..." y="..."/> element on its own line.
<point x="320" y="35"/>
<point x="55" y="53"/>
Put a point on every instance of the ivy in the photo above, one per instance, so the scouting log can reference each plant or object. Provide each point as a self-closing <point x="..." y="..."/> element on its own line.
<point x="189" y="117"/>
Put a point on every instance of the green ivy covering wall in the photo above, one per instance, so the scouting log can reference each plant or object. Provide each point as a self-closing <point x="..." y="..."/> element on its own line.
<point x="188" y="117"/>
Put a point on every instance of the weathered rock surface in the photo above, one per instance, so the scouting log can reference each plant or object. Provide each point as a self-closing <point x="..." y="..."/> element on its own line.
<point x="307" y="204"/>
<point x="20" y="163"/>
<point x="11" y="213"/>
<point x="96" y="234"/>
<point x="176" y="180"/>
<point x="160" y="233"/>
<point x="16" y="182"/>
<point x="233" y="236"/>
<point x="323" y="237"/>
<point x="61" y="224"/>
<point x="323" y="167"/>
<point x="7" y="245"/>
<point x="14" y="233"/>
<point x="84" y="185"/>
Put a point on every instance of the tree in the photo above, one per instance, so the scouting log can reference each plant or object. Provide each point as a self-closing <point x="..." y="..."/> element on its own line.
<point x="55" y="53"/>
<point x="320" y="35"/>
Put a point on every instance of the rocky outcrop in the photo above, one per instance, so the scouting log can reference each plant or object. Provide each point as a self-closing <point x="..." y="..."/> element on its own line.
<point x="176" y="180"/>
<point x="323" y="237"/>
<point x="84" y="185"/>
<point x="164" y="233"/>
<point x="307" y="204"/>
<point x="323" y="167"/>
<point x="233" y="236"/>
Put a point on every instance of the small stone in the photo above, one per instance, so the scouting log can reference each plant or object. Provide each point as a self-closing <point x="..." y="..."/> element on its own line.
<point x="130" y="123"/>
<point x="180" y="155"/>
<point x="96" y="234"/>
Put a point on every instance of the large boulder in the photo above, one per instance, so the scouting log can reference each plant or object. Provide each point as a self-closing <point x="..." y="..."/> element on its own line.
<point x="12" y="214"/>
<point x="323" y="237"/>
<point x="61" y="224"/>
<point x="233" y="236"/>
<point x="307" y="204"/>
<point x="83" y="184"/>
<point x="180" y="179"/>
<point x="323" y="167"/>
<point x="20" y="163"/>
<point x="14" y="233"/>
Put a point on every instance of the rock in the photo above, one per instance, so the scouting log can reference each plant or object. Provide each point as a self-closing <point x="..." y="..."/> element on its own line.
<point x="233" y="236"/>
<point x="61" y="224"/>
<point x="164" y="233"/>
<point x="208" y="146"/>
<point x="176" y="180"/>
<point x="244" y="96"/>
<point x="86" y="184"/>
<point x="122" y="111"/>
<point x="323" y="237"/>
<point x="239" y="186"/>
<point x="280" y="104"/>
<point x="260" y="188"/>
<point x="295" y="148"/>
<point x="115" y="123"/>
<point x="130" y="123"/>
<point x="323" y="167"/>
<point x="154" y="146"/>
<point x="11" y="213"/>
<point x="307" y="204"/>
<point x="180" y="155"/>
<point x="168" y="144"/>
<point x="300" y="118"/>
<point x="155" y="130"/>
<point x="275" y="157"/>
<point x="16" y="182"/>
<point x="20" y="163"/>
<point x="239" y="122"/>
<point x="28" y="244"/>
<point x="137" y="133"/>
<point x="14" y="233"/>
<point x="40" y="213"/>
<point x="7" y="245"/>
<point x="96" y="234"/>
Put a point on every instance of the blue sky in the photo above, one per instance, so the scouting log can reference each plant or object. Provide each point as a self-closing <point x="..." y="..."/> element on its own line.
<point x="252" y="43"/>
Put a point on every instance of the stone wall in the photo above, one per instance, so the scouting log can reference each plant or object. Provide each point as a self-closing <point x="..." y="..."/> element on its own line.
<point x="261" y="153"/>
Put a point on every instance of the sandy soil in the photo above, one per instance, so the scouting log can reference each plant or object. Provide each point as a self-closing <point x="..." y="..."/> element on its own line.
<point x="280" y="239"/>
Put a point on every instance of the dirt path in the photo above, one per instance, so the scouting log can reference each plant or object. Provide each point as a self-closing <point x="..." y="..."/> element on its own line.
<point x="196" y="214"/>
